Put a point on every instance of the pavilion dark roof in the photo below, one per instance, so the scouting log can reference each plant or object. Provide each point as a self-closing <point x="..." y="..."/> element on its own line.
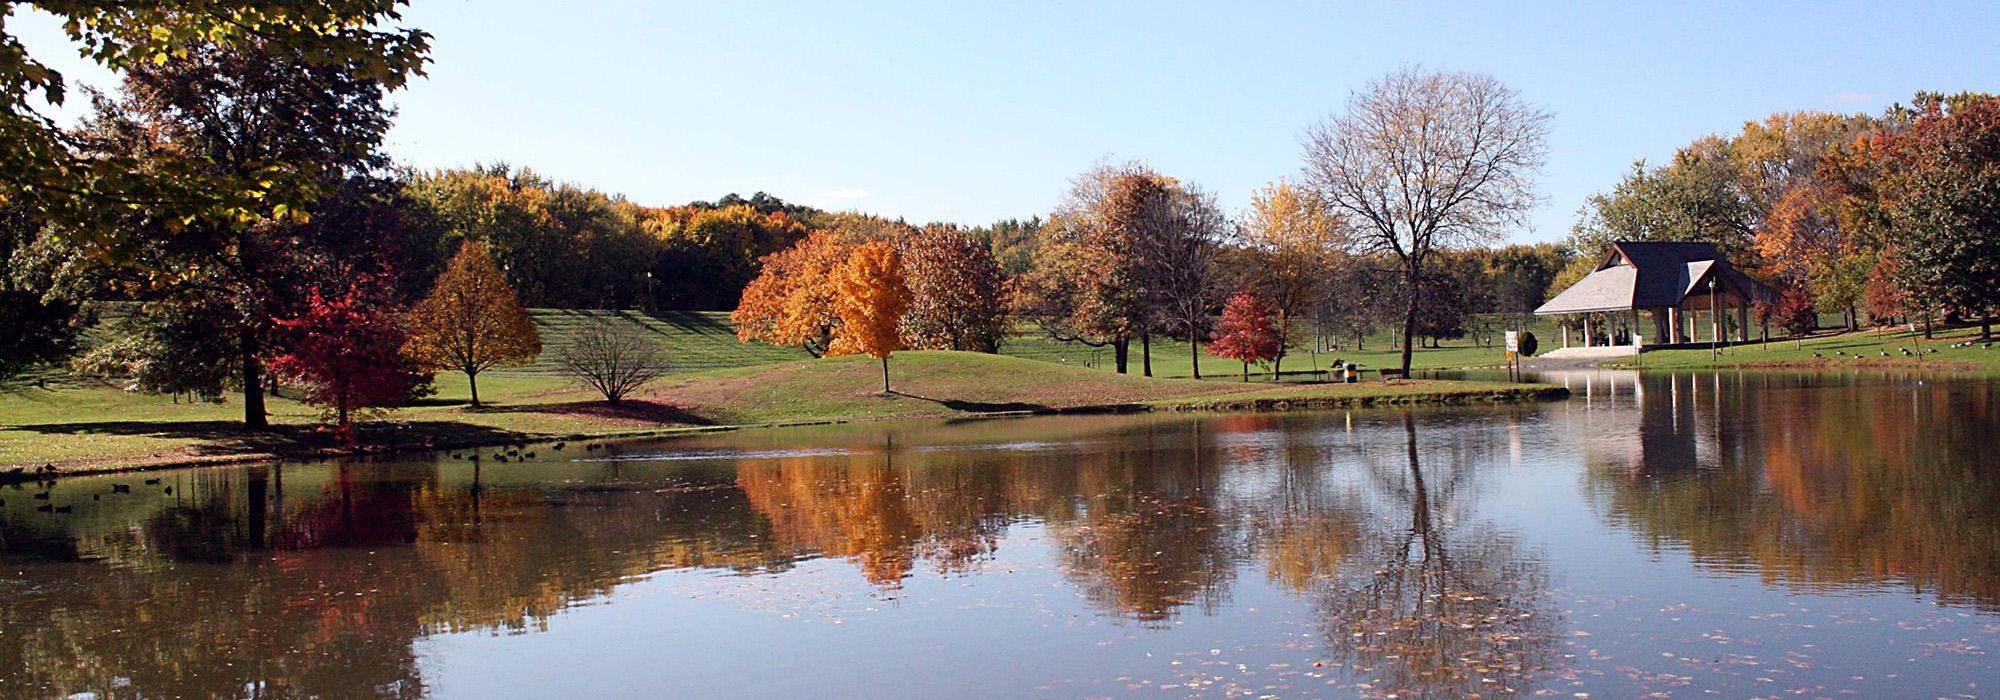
<point x="1646" y="275"/>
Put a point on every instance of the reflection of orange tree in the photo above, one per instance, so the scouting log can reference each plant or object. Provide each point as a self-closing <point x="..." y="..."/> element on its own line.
<point x="1849" y="488"/>
<point x="1433" y="616"/>
<point x="882" y="518"/>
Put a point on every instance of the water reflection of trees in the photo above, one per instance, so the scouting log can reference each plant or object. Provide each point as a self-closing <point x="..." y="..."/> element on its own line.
<point x="316" y="580"/>
<point x="1412" y="596"/>
<point x="319" y="589"/>
<point x="1821" y="481"/>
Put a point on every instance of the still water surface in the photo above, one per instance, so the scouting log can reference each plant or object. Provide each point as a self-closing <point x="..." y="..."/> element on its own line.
<point x="1673" y="535"/>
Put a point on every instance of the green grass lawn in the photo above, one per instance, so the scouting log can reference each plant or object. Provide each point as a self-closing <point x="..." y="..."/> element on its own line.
<point x="1867" y="348"/>
<point x="96" y="425"/>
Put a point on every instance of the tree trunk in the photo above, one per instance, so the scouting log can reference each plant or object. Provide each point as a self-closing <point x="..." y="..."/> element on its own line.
<point x="1986" y="325"/>
<point x="1246" y="371"/>
<point x="885" y="374"/>
<point x="1277" y="363"/>
<point x="1194" y="354"/>
<point x="472" y="380"/>
<point x="1121" y="351"/>
<point x="1853" y="318"/>
<point x="1409" y="323"/>
<point x="1146" y="353"/>
<point x="253" y="389"/>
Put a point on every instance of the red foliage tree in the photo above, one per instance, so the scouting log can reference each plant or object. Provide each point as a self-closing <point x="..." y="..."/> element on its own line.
<point x="1247" y="333"/>
<point x="1796" y="311"/>
<point x="346" y="353"/>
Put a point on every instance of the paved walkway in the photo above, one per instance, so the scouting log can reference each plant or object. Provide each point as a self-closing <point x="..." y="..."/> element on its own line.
<point x="1575" y="357"/>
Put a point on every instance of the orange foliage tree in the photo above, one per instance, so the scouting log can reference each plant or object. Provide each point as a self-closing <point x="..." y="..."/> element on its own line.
<point x="873" y="297"/>
<point x="793" y="301"/>
<point x="472" y="320"/>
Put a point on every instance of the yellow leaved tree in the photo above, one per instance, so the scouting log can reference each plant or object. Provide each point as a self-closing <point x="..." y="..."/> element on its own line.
<point x="873" y="296"/>
<point x="472" y="320"/>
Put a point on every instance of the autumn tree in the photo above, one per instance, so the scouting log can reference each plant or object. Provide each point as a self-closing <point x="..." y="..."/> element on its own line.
<point x="794" y="299"/>
<point x="345" y="352"/>
<point x="1246" y="333"/>
<point x="1290" y="238"/>
<point x="1945" y="205"/>
<point x="1422" y="161"/>
<point x="709" y="253"/>
<point x="1795" y="310"/>
<point x="957" y="292"/>
<point x="471" y="321"/>
<point x="873" y="297"/>
<point x="614" y="359"/>
<point x="226" y="112"/>
<point x="1083" y="284"/>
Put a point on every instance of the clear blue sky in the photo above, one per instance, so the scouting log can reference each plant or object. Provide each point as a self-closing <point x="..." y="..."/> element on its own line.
<point x="971" y="113"/>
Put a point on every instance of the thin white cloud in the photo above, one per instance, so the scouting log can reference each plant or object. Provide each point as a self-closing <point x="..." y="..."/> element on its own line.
<point x="1852" y="98"/>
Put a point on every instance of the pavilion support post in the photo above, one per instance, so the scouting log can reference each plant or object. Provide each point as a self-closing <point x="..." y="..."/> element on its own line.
<point x="1743" y="317"/>
<point x="1586" y="330"/>
<point x="1565" y="327"/>
<point x="1635" y="326"/>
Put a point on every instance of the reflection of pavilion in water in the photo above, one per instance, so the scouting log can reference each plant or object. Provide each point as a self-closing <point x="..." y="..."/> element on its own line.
<point x="1651" y="424"/>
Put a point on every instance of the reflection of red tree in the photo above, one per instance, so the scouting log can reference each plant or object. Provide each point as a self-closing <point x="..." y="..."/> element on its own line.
<point x="354" y="512"/>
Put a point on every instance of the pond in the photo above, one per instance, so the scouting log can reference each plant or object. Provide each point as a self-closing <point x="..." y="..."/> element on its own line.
<point x="1740" y="534"/>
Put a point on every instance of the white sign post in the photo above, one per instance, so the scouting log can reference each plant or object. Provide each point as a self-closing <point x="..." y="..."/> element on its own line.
<point x="1513" y="355"/>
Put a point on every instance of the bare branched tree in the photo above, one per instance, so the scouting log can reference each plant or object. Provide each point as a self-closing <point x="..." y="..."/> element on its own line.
<point x="614" y="359"/>
<point x="1180" y="252"/>
<point x="1427" y="160"/>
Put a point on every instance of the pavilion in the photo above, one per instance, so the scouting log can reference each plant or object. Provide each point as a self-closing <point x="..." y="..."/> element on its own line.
<point x="1674" y="282"/>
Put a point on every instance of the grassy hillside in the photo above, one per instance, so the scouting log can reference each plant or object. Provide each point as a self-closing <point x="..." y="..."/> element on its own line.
<point x="98" y="425"/>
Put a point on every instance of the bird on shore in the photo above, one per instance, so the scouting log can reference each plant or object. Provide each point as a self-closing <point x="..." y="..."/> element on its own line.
<point x="169" y="490"/>
<point x="42" y="496"/>
<point x="152" y="482"/>
<point x="529" y="455"/>
<point x="64" y="509"/>
<point x="121" y="488"/>
<point x="559" y="446"/>
<point x="45" y="509"/>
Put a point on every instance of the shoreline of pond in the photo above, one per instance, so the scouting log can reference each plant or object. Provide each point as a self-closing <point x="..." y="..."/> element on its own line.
<point x="1305" y="397"/>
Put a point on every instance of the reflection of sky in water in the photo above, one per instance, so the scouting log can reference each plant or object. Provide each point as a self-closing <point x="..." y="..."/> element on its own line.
<point x="1741" y="534"/>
